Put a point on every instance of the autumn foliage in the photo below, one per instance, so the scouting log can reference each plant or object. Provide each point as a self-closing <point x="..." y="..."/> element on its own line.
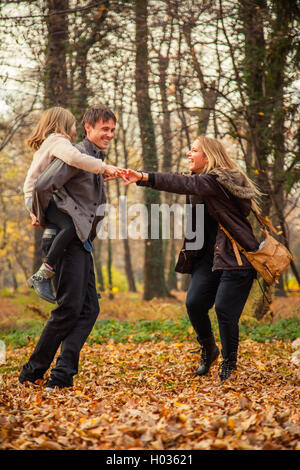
<point x="146" y="396"/>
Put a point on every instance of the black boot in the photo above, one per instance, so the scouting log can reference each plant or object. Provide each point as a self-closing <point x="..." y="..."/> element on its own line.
<point x="41" y="283"/>
<point x="210" y="353"/>
<point x="227" y="366"/>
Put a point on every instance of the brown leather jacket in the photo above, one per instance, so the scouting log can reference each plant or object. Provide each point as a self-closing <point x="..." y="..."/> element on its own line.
<point x="227" y="199"/>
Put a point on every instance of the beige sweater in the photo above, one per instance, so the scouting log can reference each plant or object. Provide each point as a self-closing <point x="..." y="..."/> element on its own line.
<point x="57" y="145"/>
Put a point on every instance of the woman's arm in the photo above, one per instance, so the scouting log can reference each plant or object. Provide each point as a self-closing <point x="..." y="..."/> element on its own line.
<point x="201" y="185"/>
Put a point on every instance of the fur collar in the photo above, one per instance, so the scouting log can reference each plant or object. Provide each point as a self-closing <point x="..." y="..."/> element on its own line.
<point x="235" y="182"/>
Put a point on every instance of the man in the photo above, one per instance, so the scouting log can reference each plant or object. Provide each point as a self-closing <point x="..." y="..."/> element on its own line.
<point x="78" y="193"/>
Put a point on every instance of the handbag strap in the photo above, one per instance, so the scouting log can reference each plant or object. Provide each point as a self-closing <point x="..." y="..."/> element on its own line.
<point x="264" y="222"/>
<point x="236" y="246"/>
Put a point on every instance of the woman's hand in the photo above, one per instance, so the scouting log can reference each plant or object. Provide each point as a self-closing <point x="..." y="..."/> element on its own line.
<point x="133" y="176"/>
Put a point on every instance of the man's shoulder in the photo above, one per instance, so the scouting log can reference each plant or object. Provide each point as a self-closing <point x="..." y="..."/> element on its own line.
<point x="84" y="146"/>
<point x="88" y="147"/>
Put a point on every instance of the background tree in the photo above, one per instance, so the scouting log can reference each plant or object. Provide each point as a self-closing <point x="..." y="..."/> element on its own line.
<point x="263" y="76"/>
<point x="154" y="281"/>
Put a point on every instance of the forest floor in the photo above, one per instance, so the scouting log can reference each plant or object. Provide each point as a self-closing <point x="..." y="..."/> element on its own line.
<point x="146" y="396"/>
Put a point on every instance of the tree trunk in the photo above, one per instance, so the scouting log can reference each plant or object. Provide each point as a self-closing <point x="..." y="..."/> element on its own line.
<point x="109" y="256"/>
<point x="166" y="125"/>
<point x="13" y="275"/>
<point x="275" y="83"/>
<point x="154" y="281"/>
<point x="264" y="74"/>
<point x="168" y="198"/>
<point x="128" y="266"/>
<point x="91" y="32"/>
<point x="208" y="91"/>
<point x="37" y="254"/>
<point x="109" y="268"/>
<point x="56" y="79"/>
<point x="98" y="264"/>
<point x="253" y="76"/>
<point x="127" y="253"/>
<point x="172" y="278"/>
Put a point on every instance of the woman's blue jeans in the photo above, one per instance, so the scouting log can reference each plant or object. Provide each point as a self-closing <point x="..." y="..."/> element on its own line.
<point x="228" y="290"/>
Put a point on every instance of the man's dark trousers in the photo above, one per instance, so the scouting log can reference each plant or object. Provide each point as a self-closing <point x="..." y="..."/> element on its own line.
<point x="72" y="321"/>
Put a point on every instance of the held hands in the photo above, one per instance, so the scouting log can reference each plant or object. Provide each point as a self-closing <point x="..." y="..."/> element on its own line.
<point x="129" y="176"/>
<point x="133" y="176"/>
<point x="112" y="172"/>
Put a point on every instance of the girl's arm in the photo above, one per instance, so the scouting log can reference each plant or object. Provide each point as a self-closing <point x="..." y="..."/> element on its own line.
<point x="63" y="149"/>
<point x="57" y="145"/>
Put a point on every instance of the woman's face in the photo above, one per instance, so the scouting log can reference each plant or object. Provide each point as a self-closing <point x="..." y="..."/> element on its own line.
<point x="197" y="158"/>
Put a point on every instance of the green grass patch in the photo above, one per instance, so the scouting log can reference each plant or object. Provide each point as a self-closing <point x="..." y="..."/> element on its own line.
<point x="21" y="336"/>
<point x="5" y="292"/>
<point x="286" y="329"/>
<point x="142" y="331"/>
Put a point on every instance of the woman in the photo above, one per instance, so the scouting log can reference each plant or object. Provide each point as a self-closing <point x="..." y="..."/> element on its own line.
<point x="219" y="275"/>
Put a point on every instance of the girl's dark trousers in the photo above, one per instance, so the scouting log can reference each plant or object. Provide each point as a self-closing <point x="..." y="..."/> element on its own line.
<point x="228" y="290"/>
<point x="65" y="235"/>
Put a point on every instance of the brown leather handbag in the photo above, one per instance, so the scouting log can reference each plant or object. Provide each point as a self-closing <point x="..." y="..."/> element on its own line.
<point x="270" y="260"/>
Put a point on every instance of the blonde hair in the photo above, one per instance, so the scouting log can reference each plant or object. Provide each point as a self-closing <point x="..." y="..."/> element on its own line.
<point x="218" y="158"/>
<point x="55" y="120"/>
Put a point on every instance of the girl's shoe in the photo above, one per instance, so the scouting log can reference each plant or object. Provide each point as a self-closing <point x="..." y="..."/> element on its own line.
<point x="41" y="283"/>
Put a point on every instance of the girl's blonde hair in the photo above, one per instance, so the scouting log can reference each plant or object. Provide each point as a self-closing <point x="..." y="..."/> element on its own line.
<point x="55" y="120"/>
<point x="218" y="158"/>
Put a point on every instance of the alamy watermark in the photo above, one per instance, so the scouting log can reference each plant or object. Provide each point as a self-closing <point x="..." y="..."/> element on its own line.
<point x="137" y="221"/>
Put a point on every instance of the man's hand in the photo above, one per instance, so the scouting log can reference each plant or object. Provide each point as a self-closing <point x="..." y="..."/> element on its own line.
<point x="112" y="172"/>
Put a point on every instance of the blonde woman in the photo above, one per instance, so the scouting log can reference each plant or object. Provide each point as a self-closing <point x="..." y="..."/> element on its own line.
<point x="52" y="138"/>
<point x="219" y="277"/>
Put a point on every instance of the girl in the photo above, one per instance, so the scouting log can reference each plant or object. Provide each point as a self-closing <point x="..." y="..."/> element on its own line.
<point x="219" y="276"/>
<point x="52" y="138"/>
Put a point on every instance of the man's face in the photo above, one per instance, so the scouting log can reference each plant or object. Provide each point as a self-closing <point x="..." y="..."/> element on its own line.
<point x="101" y="134"/>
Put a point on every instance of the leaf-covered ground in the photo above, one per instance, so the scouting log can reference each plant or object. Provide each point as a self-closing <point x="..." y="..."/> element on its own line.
<point x="146" y="396"/>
